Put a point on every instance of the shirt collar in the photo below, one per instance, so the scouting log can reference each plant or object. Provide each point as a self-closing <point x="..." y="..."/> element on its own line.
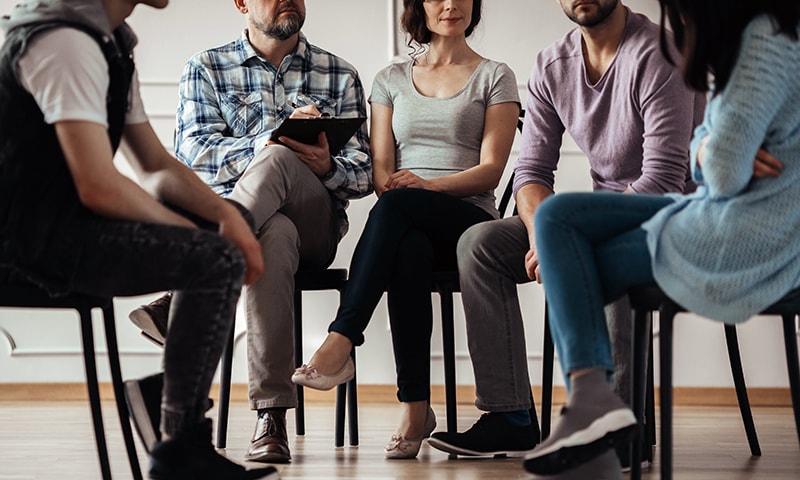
<point x="246" y="50"/>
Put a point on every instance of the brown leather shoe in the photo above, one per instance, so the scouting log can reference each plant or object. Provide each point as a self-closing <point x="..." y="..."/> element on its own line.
<point x="269" y="444"/>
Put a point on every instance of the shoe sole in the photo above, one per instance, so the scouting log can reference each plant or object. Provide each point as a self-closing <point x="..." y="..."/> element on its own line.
<point x="614" y="428"/>
<point x="270" y="476"/>
<point x="450" y="448"/>
<point x="141" y="319"/>
<point x="138" y="410"/>
<point x="269" y="458"/>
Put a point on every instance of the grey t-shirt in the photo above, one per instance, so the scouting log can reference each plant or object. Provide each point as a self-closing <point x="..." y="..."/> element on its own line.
<point x="442" y="136"/>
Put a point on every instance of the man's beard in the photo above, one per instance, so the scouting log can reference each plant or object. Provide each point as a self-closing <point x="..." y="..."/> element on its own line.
<point x="283" y="28"/>
<point x="603" y="13"/>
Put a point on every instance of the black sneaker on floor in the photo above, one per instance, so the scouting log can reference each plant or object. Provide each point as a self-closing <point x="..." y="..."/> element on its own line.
<point x="143" y="397"/>
<point x="152" y="319"/>
<point x="191" y="456"/>
<point x="491" y="435"/>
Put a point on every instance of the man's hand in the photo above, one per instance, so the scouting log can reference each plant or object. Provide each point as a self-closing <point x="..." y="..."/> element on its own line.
<point x="317" y="157"/>
<point x="532" y="266"/>
<point x="406" y="179"/>
<point x="235" y="228"/>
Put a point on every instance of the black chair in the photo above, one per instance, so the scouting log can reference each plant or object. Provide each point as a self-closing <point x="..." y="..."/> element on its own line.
<point x="646" y="300"/>
<point x="31" y="296"/>
<point x="305" y="280"/>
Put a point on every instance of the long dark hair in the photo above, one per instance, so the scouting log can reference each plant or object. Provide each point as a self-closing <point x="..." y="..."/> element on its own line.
<point x="413" y="21"/>
<point x="708" y="33"/>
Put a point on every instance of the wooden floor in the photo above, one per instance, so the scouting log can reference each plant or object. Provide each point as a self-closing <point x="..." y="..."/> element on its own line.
<point x="44" y="440"/>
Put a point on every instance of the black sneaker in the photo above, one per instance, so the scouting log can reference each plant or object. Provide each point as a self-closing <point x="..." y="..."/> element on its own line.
<point x="143" y="397"/>
<point x="191" y="456"/>
<point x="492" y="435"/>
<point x="152" y="319"/>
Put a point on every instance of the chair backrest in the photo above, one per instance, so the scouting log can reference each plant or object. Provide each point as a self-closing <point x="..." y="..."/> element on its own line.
<point x="505" y="199"/>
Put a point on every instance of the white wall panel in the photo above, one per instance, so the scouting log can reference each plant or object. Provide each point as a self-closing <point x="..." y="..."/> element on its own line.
<point x="36" y="346"/>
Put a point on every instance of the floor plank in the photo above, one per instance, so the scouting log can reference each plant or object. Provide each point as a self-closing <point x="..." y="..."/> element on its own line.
<point x="47" y="440"/>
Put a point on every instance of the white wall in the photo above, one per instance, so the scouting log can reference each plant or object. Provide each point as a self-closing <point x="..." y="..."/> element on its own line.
<point x="362" y="31"/>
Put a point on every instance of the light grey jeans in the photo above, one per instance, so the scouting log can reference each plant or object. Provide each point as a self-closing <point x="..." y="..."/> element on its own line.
<point x="491" y="263"/>
<point x="296" y="223"/>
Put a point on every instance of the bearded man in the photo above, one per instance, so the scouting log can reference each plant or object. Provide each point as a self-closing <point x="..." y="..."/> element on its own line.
<point x="231" y="99"/>
<point x="608" y="86"/>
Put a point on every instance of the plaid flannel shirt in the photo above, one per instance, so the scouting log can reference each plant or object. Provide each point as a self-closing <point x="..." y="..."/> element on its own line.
<point x="231" y="100"/>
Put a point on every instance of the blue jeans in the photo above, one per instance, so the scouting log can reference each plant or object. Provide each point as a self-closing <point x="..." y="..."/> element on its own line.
<point x="591" y="250"/>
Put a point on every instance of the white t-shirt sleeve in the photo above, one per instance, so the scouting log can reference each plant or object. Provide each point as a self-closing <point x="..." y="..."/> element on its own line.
<point x="65" y="71"/>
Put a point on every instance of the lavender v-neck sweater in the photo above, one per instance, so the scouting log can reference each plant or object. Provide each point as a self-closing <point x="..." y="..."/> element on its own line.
<point x="634" y="124"/>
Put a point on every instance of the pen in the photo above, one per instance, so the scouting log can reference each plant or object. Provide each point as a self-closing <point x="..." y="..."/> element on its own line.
<point x="296" y="106"/>
<point x="305" y="99"/>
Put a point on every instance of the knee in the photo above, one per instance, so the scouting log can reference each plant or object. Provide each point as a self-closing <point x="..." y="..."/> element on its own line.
<point x="389" y="204"/>
<point x="553" y="209"/>
<point x="226" y="264"/>
<point x="473" y="246"/>
<point x="274" y="156"/>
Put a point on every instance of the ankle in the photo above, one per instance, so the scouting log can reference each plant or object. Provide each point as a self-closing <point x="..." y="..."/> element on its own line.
<point x="331" y="356"/>
<point x="587" y="385"/>
<point x="412" y="421"/>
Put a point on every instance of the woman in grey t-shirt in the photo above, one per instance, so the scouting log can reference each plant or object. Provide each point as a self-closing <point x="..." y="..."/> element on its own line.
<point x="442" y="126"/>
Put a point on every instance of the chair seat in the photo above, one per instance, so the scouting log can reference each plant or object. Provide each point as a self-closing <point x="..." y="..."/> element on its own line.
<point x="31" y="296"/>
<point x="330" y="279"/>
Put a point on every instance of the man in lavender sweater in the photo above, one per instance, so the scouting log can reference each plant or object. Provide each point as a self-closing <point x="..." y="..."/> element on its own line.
<point x="607" y="84"/>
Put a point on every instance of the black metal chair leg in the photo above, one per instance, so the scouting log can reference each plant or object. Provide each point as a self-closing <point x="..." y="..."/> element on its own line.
<point x="225" y="368"/>
<point x="299" y="412"/>
<point x="448" y="340"/>
<point x="790" y="341"/>
<point x="732" y="341"/>
<point x="352" y="405"/>
<point x="650" y="403"/>
<point x="119" y="396"/>
<point x="641" y="333"/>
<point x="548" y="357"/>
<point x="341" y="399"/>
<point x="87" y="336"/>
<point x="667" y="317"/>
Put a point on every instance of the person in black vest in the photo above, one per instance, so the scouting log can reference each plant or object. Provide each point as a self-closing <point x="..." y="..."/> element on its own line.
<point x="70" y="222"/>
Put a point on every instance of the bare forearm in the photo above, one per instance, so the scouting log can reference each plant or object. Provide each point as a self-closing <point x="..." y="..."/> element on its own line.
<point x="473" y="181"/>
<point x="528" y="199"/>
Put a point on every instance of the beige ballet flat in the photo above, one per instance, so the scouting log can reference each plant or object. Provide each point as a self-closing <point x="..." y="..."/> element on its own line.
<point x="400" y="447"/>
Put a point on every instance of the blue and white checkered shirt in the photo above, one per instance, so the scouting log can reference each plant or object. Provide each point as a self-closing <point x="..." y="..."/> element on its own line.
<point x="231" y="100"/>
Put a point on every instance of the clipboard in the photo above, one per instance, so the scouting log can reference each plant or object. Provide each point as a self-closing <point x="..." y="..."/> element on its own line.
<point x="306" y="130"/>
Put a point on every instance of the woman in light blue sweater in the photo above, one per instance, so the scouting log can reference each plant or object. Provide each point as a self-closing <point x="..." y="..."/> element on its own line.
<point x="725" y="252"/>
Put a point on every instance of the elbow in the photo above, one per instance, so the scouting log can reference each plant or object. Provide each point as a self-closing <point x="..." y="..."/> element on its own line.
<point x="94" y="197"/>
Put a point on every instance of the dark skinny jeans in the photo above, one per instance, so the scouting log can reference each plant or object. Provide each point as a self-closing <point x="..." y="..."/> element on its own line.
<point x="410" y="233"/>
<point x="205" y="271"/>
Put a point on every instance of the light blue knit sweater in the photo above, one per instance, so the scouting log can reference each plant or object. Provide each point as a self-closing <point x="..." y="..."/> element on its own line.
<point x="733" y="247"/>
